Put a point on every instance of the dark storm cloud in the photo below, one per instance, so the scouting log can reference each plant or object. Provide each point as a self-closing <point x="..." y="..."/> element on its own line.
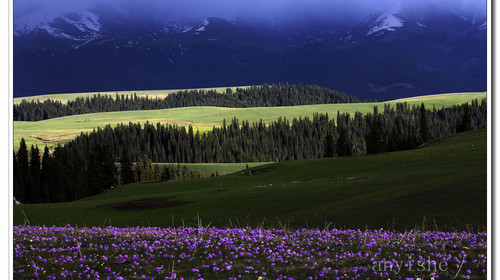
<point x="343" y="9"/>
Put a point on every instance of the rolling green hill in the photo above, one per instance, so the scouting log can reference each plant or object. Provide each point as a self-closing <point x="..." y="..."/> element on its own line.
<point x="442" y="184"/>
<point x="60" y="130"/>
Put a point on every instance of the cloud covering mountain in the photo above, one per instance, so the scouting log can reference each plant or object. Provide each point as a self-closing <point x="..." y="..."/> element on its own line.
<point x="370" y="49"/>
<point x="340" y="9"/>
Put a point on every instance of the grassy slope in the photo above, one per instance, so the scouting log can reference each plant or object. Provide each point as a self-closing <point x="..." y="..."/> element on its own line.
<point x="221" y="168"/>
<point x="64" y="129"/>
<point x="213" y="168"/>
<point x="445" y="181"/>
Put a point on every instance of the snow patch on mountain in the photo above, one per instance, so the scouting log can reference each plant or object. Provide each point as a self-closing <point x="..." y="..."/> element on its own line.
<point x="176" y="26"/>
<point x="386" y="22"/>
<point x="421" y="25"/>
<point x="483" y="26"/>
<point x="26" y="24"/>
<point x="201" y="26"/>
<point x="85" y="28"/>
<point x="55" y="32"/>
<point x="85" y="21"/>
<point x="348" y="37"/>
<point x="21" y="29"/>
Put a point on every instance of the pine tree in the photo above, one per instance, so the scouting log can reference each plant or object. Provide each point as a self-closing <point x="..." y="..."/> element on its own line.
<point x="178" y="172"/>
<point x="185" y="173"/>
<point x="33" y="195"/>
<point x="393" y="144"/>
<point x="126" y="172"/>
<point x="329" y="145"/>
<point x="156" y="173"/>
<point x="93" y="180"/>
<point x="424" y="129"/>
<point x="21" y="173"/>
<point x="79" y="170"/>
<point x="466" y="123"/>
<point x="192" y="174"/>
<point x="374" y="142"/>
<point x="101" y="170"/>
<point x="63" y="179"/>
<point x="47" y="176"/>
<point x="18" y="183"/>
<point x="109" y="170"/>
<point x="145" y="168"/>
<point x="342" y="146"/>
<point x="165" y="174"/>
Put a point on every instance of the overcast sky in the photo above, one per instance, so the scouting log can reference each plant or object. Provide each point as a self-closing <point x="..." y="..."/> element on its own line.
<point x="47" y="9"/>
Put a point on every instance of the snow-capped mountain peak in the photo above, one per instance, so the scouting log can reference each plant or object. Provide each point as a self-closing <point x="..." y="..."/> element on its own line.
<point x="79" y="27"/>
<point x="76" y="26"/>
<point x="386" y="22"/>
<point x="84" y="20"/>
<point x="201" y="27"/>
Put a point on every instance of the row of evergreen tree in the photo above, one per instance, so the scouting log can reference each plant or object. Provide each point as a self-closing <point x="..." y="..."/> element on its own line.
<point x="399" y="128"/>
<point x="86" y="165"/>
<point x="147" y="171"/>
<point x="59" y="177"/>
<point x="254" y="96"/>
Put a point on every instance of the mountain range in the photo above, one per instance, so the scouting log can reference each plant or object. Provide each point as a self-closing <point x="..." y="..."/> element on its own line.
<point x="388" y="53"/>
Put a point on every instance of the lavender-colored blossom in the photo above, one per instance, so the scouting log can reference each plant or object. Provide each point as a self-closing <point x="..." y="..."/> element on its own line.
<point x="239" y="253"/>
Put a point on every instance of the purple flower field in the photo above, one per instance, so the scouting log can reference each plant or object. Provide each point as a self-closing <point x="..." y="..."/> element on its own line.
<point x="245" y="253"/>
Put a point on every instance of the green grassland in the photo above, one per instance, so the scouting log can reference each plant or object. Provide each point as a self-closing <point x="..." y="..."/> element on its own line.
<point x="65" y="97"/>
<point x="60" y="130"/>
<point x="442" y="185"/>
<point x="213" y="168"/>
<point x="221" y="168"/>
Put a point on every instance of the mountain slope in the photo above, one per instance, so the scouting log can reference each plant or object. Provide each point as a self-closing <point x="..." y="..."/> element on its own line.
<point x="392" y="53"/>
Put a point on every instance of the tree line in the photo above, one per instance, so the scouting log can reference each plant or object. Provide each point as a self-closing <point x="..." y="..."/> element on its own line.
<point x="254" y="96"/>
<point x="60" y="177"/>
<point x="396" y="128"/>
<point x="86" y="165"/>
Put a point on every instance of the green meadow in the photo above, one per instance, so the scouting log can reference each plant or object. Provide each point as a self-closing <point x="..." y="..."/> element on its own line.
<point x="220" y="168"/>
<point x="442" y="185"/>
<point x="213" y="168"/>
<point x="61" y="130"/>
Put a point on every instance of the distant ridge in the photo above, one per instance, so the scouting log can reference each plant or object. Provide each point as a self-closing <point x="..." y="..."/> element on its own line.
<point x="393" y="52"/>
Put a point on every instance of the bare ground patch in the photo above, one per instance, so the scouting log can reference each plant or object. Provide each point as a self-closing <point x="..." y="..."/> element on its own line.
<point x="145" y="204"/>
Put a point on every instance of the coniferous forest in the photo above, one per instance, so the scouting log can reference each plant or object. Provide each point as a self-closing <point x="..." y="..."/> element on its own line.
<point x="86" y="165"/>
<point x="254" y="96"/>
<point x="60" y="177"/>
